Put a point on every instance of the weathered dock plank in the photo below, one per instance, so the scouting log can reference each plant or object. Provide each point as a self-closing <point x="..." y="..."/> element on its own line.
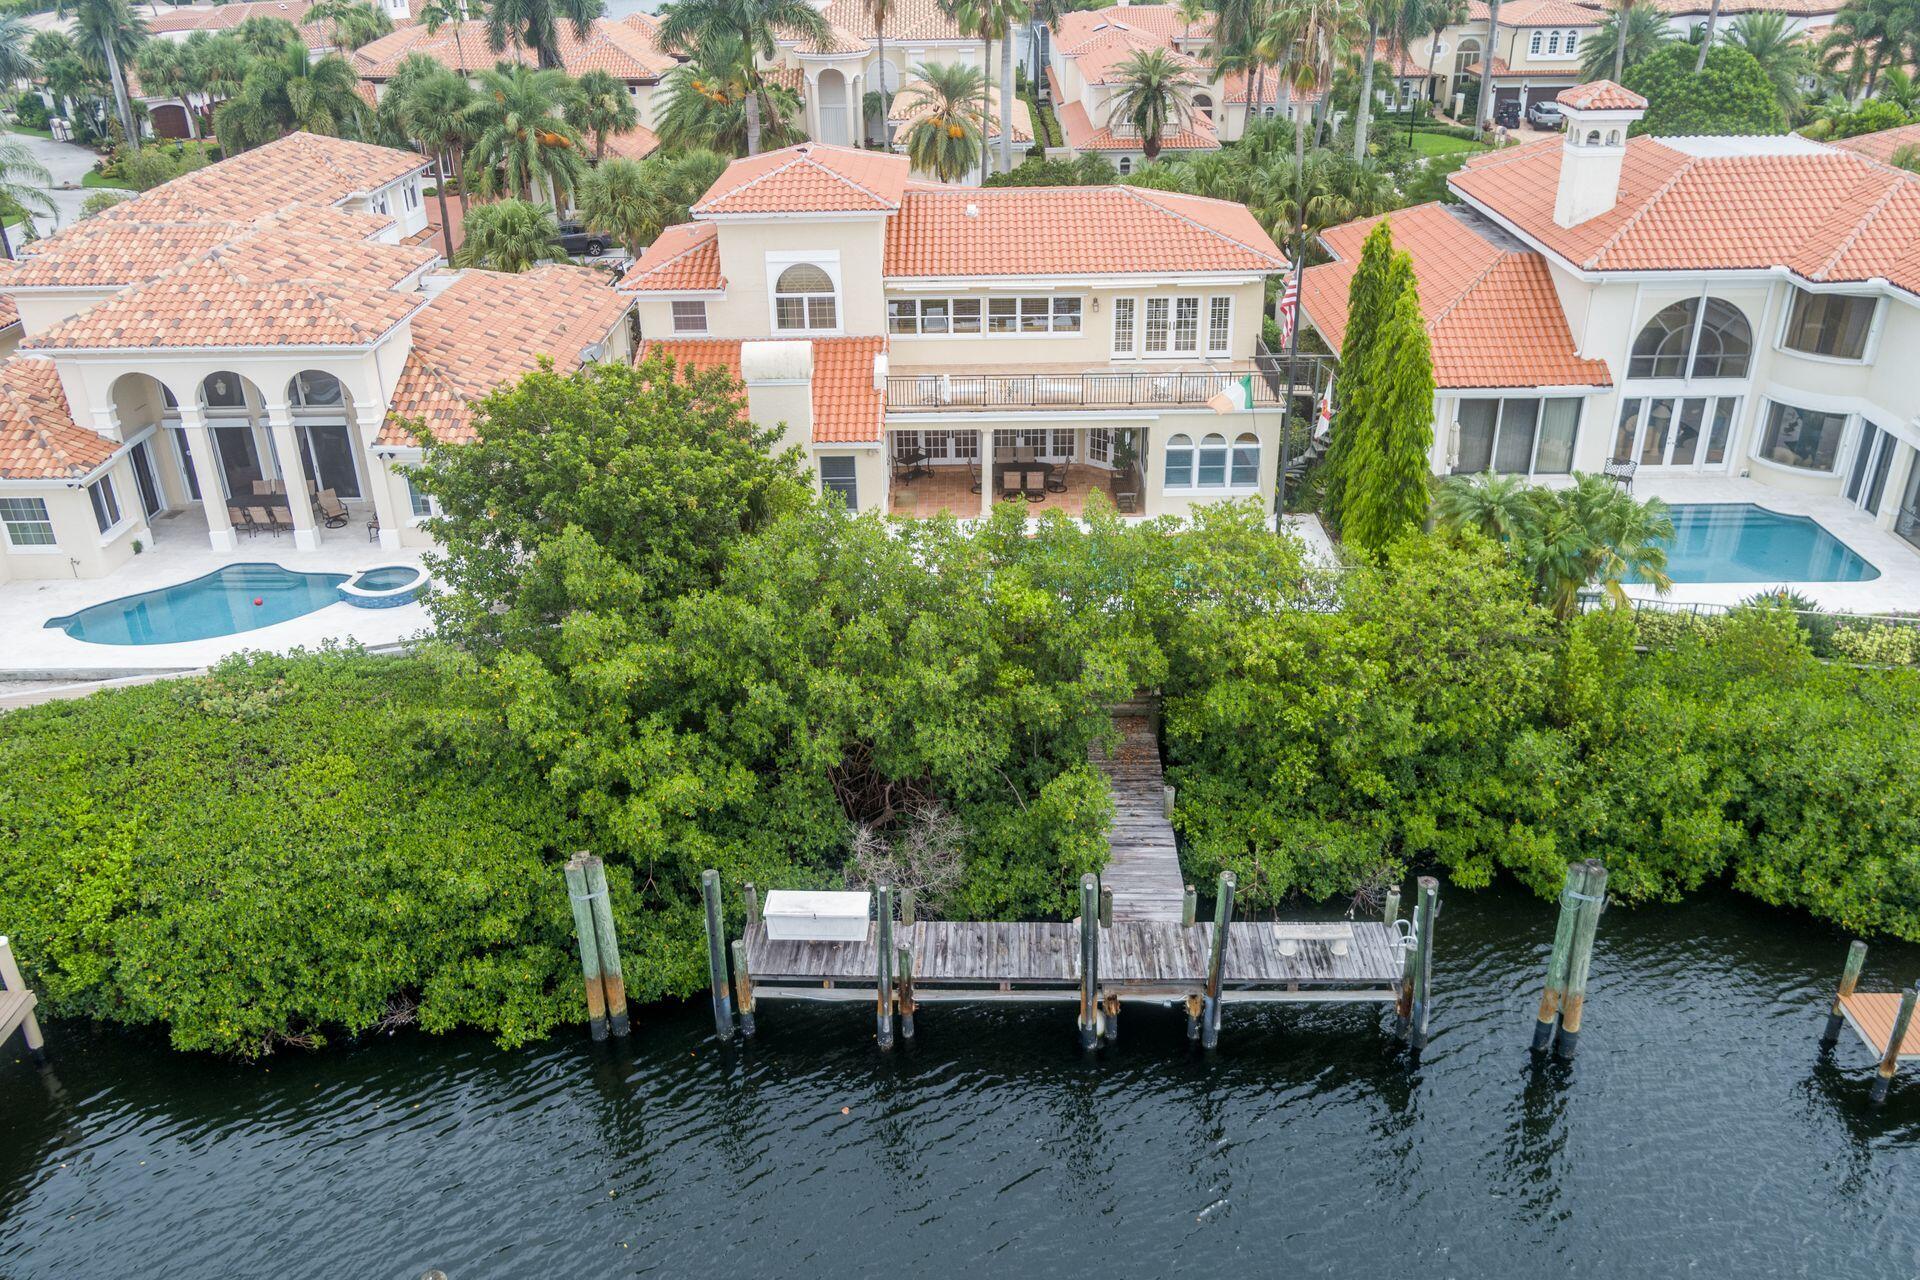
<point x="1143" y="865"/>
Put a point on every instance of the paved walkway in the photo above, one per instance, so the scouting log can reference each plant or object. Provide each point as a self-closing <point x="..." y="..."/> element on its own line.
<point x="67" y="163"/>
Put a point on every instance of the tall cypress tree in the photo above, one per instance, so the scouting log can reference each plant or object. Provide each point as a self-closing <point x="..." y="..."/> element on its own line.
<point x="1386" y="495"/>
<point x="1367" y="300"/>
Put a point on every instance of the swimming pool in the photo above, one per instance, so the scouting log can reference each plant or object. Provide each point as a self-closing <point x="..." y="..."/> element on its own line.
<point x="239" y="597"/>
<point x="1740" y="542"/>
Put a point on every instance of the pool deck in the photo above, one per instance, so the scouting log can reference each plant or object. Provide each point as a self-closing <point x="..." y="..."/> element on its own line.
<point x="1896" y="589"/>
<point x="29" y="650"/>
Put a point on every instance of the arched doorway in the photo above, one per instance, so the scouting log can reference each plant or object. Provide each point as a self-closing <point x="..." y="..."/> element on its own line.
<point x="169" y="120"/>
<point x="241" y="448"/>
<point x="145" y="409"/>
<point x="323" y="423"/>
<point x="832" y="108"/>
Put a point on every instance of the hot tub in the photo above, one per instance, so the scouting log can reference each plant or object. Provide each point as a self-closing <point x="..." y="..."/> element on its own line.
<point x="386" y="587"/>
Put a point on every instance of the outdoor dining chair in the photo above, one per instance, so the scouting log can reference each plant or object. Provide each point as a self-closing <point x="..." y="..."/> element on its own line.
<point x="1036" y="486"/>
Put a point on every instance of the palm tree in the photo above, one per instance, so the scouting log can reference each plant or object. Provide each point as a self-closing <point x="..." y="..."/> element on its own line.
<point x="600" y="105"/>
<point x="1706" y="41"/>
<point x="1867" y="36"/>
<point x="266" y="37"/>
<point x="112" y="27"/>
<point x="1898" y="87"/>
<point x="1626" y="38"/>
<point x="520" y="141"/>
<point x="535" y="25"/>
<point x="1430" y="18"/>
<point x="354" y="22"/>
<point x="1498" y="507"/>
<point x="217" y="64"/>
<point x="1314" y="38"/>
<point x="1012" y="13"/>
<point x="978" y="18"/>
<point x="433" y="111"/>
<point x="1379" y="14"/>
<point x="1906" y="157"/>
<point x="167" y="68"/>
<point x="16" y="57"/>
<point x="1483" y="102"/>
<point x="509" y="235"/>
<point x="740" y="27"/>
<point x="1779" y="50"/>
<point x="287" y="93"/>
<point x="618" y="197"/>
<point x="23" y="186"/>
<point x="878" y="11"/>
<point x="435" y="14"/>
<point x="943" y="104"/>
<point x="704" y="102"/>
<point x="1155" y="94"/>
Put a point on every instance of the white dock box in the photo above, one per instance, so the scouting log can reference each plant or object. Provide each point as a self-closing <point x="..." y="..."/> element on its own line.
<point x="796" y="916"/>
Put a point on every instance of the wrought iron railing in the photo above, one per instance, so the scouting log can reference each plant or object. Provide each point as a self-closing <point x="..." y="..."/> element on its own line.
<point x="937" y="392"/>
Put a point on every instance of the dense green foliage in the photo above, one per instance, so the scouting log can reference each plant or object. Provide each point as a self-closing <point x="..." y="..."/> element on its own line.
<point x="1732" y="95"/>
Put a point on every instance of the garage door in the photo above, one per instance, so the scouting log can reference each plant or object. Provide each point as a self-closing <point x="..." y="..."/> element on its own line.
<point x="1547" y="94"/>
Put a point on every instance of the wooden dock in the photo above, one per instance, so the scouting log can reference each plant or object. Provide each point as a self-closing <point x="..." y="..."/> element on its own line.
<point x="1143" y="865"/>
<point x="1872" y="1015"/>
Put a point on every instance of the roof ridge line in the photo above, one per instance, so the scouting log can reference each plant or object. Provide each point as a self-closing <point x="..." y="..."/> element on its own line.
<point x="700" y="242"/>
<point x="1499" y="256"/>
<point x="1193" y="222"/>
<point x="757" y="179"/>
<point x="1860" y="225"/>
<point x="1592" y="262"/>
<point x="857" y="186"/>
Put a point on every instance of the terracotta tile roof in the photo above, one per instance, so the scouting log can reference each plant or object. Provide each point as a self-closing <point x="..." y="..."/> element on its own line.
<point x="1791" y="8"/>
<point x="1825" y="213"/>
<point x="1162" y="24"/>
<point x="1101" y="58"/>
<point x="227" y="16"/>
<point x="682" y="259"/>
<point x="38" y="438"/>
<point x="1083" y="135"/>
<point x="809" y="178"/>
<point x="1021" y="231"/>
<point x="847" y="407"/>
<point x="1389" y="59"/>
<point x="626" y="50"/>
<point x="486" y="329"/>
<point x="907" y="109"/>
<point x="917" y="20"/>
<point x="9" y="309"/>
<point x="1539" y="13"/>
<point x="1492" y="314"/>
<point x="1237" y="86"/>
<point x="636" y="143"/>
<point x="299" y="168"/>
<point x="837" y="39"/>
<point x="1601" y="95"/>
<point x="100" y="253"/>
<point x="270" y="288"/>
<point x="1881" y="146"/>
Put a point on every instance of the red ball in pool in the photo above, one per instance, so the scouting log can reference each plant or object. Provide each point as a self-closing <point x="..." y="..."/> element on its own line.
<point x="258" y="601"/>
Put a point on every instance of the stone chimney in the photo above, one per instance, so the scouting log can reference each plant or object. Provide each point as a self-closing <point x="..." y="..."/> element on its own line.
<point x="779" y="378"/>
<point x="1593" y="148"/>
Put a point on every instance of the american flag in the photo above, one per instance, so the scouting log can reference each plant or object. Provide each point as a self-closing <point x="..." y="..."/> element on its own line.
<point x="1289" y="307"/>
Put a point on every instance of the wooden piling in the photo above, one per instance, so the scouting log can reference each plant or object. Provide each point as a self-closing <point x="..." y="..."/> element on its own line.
<point x="752" y="896"/>
<point x="1426" y="910"/>
<point x="613" y="983"/>
<point x="883" y="958"/>
<point x="11" y="983"/>
<point x="743" y="987"/>
<point x="907" y="904"/>
<point x="581" y="898"/>
<point x="1089" y="961"/>
<point x="1166" y="801"/>
<point x="1409" y="966"/>
<point x="1554" y="997"/>
<point x="1593" y="897"/>
<point x="1189" y="907"/>
<point x="1194" y="1005"/>
<point x="1110" y="1028"/>
<point x="1390" y="911"/>
<point x="1890" y="1060"/>
<point x="1106" y="907"/>
<point x="1849" y="979"/>
<point x="717" y="955"/>
<point x="1217" y="961"/>
<point x="905" y="958"/>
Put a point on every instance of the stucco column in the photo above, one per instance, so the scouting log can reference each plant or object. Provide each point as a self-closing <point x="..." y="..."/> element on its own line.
<point x="813" y="103"/>
<point x="857" y="122"/>
<point x="293" y="472"/>
<point x="382" y="479"/>
<point x="206" y="472"/>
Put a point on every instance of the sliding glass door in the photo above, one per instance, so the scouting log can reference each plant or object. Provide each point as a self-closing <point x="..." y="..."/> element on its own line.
<point x="1867" y="478"/>
<point x="1681" y="432"/>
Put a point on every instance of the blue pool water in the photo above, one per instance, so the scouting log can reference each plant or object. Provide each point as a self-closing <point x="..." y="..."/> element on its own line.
<point x="1739" y="542"/>
<point x="219" y="604"/>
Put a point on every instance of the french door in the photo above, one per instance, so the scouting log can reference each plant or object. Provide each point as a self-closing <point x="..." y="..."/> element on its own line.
<point x="1867" y="479"/>
<point x="150" y="500"/>
<point x="1689" y="433"/>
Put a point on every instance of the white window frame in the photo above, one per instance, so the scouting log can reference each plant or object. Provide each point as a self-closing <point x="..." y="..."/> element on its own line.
<point x="910" y="317"/>
<point x="102" y="494"/>
<point x="1165" y="322"/>
<point x="1869" y="350"/>
<point x="679" y="325"/>
<point x="1220" y="317"/>
<point x="828" y="261"/>
<point x="1195" y="448"/>
<point x="1534" y="45"/>
<point x="1153" y="324"/>
<point x="417" y="499"/>
<point x="1646" y="401"/>
<point x="1540" y="404"/>
<point x="1841" y="453"/>
<point x="45" y="517"/>
<point x="1128" y="324"/>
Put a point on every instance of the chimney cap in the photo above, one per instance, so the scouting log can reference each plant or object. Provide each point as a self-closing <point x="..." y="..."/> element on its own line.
<point x="1600" y="95"/>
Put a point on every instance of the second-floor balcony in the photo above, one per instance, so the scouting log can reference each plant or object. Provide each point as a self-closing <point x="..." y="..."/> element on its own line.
<point x="959" y="390"/>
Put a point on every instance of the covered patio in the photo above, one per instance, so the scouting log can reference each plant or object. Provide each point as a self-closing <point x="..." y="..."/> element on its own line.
<point x="963" y="472"/>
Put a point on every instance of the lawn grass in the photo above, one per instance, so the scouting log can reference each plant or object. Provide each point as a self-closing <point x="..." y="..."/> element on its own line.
<point x="1440" y="144"/>
<point x="94" y="178"/>
<point x="38" y="133"/>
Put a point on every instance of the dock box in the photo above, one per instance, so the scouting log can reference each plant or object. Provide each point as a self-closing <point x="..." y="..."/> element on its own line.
<point x="800" y="916"/>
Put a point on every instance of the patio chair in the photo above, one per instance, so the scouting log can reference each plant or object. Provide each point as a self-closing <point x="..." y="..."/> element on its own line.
<point x="1621" y="473"/>
<point x="237" y="518"/>
<point x="373" y="529"/>
<point x="973" y="474"/>
<point x="1023" y="453"/>
<point x="1057" y="478"/>
<point x="263" y="518"/>
<point x="1036" y="486"/>
<point x="1010" y="483"/>
<point x="262" y="489"/>
<point x="332" y="510"/>
<point x="1125" y="500"/>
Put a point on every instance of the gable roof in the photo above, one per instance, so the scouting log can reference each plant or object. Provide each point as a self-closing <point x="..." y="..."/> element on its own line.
<point x="684" y="258"/>
<point x="1491" y="312"/>
<point x="299" y="168"/>
<point x="486" y="329"/>
<point x="1160" y="24"/>
<point x="1883" y="145"/>
<point x="1719" y="204"/>
<point x="1035" y="231"/>
<point x="38" y="437"/>
<point x="1082" y="134"/>
<point x="809" y="178"/>
<point x="847" y="407"/>
<point x="918" y="20"/>
<point x="626" y="50"/>
<point x="1539" y="13"/>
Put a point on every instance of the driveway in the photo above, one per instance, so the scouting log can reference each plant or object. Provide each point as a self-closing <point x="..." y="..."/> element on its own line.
<point x="68" y="164"/>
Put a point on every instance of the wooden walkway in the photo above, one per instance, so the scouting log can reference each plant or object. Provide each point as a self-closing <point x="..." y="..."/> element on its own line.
<point x="1143" y="869"/>
<point x="1871" y="1015"/>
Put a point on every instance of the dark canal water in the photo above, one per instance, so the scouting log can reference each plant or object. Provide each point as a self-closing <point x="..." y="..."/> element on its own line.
<point x="1701" y="1134"/>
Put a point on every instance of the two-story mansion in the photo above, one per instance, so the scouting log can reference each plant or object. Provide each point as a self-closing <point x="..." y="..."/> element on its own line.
<point x="1670" y="307"/>
<point x="234" y="356"/>
<point x="938" y="348"/>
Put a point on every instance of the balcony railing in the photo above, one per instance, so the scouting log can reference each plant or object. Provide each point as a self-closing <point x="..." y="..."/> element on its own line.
<point x="945" y="392"/>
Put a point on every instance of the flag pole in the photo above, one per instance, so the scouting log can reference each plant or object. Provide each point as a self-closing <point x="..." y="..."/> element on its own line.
<point x="1293" y="361"/>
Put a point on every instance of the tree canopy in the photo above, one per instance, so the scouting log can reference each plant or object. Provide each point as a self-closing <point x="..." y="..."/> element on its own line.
<point x="1733" y="95"/>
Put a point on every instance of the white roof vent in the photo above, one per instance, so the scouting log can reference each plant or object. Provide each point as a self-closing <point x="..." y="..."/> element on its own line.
<point x="973" y="210"/>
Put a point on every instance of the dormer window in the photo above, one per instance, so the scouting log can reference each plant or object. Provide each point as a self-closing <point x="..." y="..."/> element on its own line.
<point x="804" y="299"/>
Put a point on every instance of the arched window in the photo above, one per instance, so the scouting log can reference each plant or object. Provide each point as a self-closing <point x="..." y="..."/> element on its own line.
<point x="1246" y="461"/>
<point x="803" y="298"/>
<point x="224" y="391"/>
<point x="1572" y="44"/>
<point x="1125" y="165"/>
<point x="1203" y="105"/>
<point x="314" y="389"/>
<point x="1467" y="57"/>
<point x="1212" y="471"/>
<point x="1686" y="340"/>
<point x="1593" y="137"/>
<point x="1533" y="46"/>
<point x="1613" y="137"/>
<point x="1180" y="462"/>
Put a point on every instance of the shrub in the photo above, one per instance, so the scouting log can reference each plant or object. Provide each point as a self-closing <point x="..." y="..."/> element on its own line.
<point x="1732" y="95"/>
<point x="31" y="111"/>
<point x="1880" y="644"/>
